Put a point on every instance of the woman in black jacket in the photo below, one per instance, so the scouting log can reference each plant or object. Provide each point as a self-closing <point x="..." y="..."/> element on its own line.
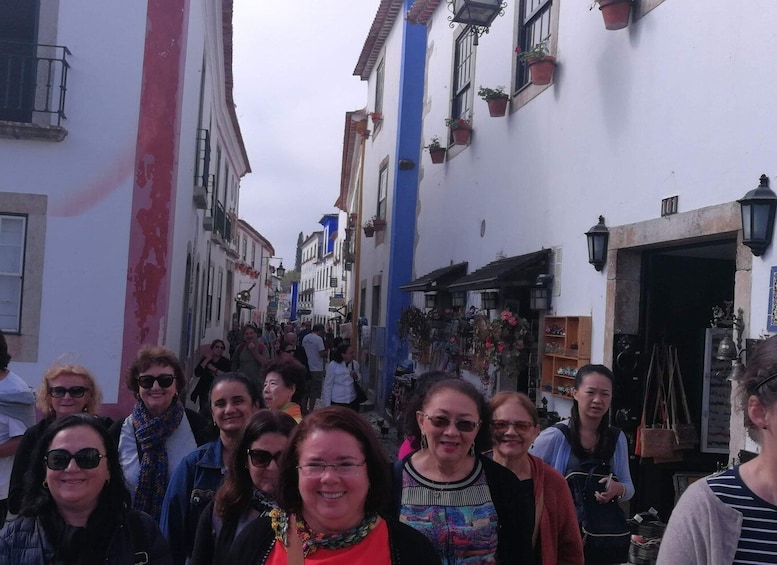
<point x="75" y="508"/>
<point x="210" y="366"/>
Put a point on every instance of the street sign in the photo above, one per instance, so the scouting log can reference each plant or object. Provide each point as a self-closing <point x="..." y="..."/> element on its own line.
<point x="336" y="302"/>
<point x="304" y="311"/>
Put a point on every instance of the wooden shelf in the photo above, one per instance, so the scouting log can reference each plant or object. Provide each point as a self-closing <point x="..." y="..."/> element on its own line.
<point x="559" y="353"/>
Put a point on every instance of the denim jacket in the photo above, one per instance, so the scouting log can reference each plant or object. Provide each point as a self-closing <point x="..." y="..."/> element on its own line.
<point x="192" y="486"/>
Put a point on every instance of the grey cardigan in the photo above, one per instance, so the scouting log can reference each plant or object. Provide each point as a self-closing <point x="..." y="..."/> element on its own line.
<point x="702" y="529"/>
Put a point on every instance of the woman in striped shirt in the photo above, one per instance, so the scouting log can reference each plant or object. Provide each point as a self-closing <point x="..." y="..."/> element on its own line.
<point x="731" y="517"/>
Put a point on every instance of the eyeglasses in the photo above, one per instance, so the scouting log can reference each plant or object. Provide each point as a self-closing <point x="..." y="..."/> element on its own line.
<point x="519" y="425"/>
<point x="73" y="391"/>
<point x="444" y="422"/>
<point x="344" y="469"/>
<point x="292" y="350"/>
<point x="262" y="458"/>
<point x="86" y="458"/>
<point x="147" y="381"/>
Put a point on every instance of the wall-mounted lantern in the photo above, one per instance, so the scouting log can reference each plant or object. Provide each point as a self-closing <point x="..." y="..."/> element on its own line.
<point x="598" y="237"/>
<point x="758" y="209"/>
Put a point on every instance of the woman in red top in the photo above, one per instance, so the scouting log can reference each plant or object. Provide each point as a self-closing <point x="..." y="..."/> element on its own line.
<point x="514" y="425"/>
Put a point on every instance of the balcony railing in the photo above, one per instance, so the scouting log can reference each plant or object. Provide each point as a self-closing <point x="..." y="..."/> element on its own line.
<point x="33" y="80"/>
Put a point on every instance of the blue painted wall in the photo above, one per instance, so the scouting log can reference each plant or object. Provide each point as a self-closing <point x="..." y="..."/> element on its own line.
<point x="405" y="193"/>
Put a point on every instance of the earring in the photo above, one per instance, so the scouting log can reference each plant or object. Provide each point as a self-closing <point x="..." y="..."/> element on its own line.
<point x="424" y="442"/>
<point x="46" y="485"/>
<point x="471" y="450"/>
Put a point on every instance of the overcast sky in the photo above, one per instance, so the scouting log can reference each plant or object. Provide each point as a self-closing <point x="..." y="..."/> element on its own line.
<point x="293" y="69"/>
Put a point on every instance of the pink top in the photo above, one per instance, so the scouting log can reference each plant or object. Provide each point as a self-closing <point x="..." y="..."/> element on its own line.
<point x="405" y="449"/>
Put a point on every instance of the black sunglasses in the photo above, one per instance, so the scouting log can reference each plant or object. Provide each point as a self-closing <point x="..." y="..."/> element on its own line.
<point x="73" y="391"/>
<point x="147" y="381"/>
<point x="262" y="458"/>
<point x="86" y="458"/>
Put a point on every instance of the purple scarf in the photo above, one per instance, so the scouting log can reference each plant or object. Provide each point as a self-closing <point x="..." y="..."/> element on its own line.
<point x="151" y="434"/>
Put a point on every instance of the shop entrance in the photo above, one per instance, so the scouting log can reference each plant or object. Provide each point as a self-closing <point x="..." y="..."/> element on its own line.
<point x="680" y="287"/>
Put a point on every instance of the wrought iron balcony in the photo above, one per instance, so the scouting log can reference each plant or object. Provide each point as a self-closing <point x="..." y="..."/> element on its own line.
<point x="33" y="81"/>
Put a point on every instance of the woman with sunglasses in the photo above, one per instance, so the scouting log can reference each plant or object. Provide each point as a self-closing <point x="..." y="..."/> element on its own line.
<point x="233" y="399"/>
<point x="66" y="389"/>
<point x="249" y="488"/>
<point x="284" y="377"/>
<point x="731" y="517"/>
<point x="514" y="426"/>
<point x="471" y="509"/>
<point x="76" y="505"/>
<point x="333" y="487"/>
<point x="211" y="365"/>
<point x="159" y="432"/>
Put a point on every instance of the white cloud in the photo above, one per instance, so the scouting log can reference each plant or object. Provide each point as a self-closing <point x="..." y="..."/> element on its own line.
<point x="293" y="70"/>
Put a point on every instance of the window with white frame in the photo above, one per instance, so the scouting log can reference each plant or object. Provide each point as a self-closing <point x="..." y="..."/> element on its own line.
<point x="535" y="26"/>
<point x="379" y="77"/>
<point x="13" y="230"/>
<point x="253" y="254"/>
<point x="382" y="191"/>
<point x="245" y="248"/>
<point x="461" y="106"/>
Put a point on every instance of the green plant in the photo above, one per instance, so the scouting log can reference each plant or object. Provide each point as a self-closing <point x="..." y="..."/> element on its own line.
<point x="500" y="344"/>
<point x="434" y="143"/>
<point x="458" y="123"/>
<point x="490" y="93"/>
<point x="538" y="51"/>
<point x="414" y="326"/>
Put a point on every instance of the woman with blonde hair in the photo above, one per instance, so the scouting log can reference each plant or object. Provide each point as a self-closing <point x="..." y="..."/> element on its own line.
<point x="67" y="388"/>
<point x="514" y="426"/>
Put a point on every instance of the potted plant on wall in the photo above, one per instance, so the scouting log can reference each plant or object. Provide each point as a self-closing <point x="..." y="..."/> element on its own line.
<point x="378" y="222"/>
<point x="436" y="150"/>
<point x="369" y="229"/>
<point x="541" y="64"/>
<point x="615" y="12"/>
<point x="461" y="129"/>
<point x="377" y="118"/>
<point x="496" y="98"/>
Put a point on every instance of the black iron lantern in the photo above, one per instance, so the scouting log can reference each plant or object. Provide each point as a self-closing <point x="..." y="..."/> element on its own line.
<point x="430" y="299"/>
<point x="540" y="294"/>
<point x="598" y="237"/>
<point x="280" y="271"/>
<point x="758" y="208"/>
<point x="489" y="299"/>
<point x="459" y="299"/>
<point x="476" y="12"/>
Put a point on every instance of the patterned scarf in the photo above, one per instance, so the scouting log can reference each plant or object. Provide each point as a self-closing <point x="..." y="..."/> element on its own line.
<point x="151" y="434"/>
<point x="311" y="541"/>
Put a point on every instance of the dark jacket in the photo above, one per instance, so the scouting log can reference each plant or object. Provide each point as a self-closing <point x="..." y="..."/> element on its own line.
<point x="513" y="501"/>
<point x="202" y="389"/>
<point x="22" y="461"/>
<point x="23" y="542"/>
<point x="406" y="546"/>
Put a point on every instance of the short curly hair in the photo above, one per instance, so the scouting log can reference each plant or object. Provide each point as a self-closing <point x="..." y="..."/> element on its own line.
<point x="761" y="365"/>
<point x="154" y="355"/>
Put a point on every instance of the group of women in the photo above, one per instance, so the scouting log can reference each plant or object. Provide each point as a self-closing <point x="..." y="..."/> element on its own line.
<point x="480" y="483"/>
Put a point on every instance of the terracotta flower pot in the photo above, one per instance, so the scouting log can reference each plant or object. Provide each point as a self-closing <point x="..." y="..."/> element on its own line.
<point x="438" y="155"/>
<point x="461" y="135"/>
<point x="497" y="107"/>
<point x="541" y="70"/>
<point x="615" y="13"/>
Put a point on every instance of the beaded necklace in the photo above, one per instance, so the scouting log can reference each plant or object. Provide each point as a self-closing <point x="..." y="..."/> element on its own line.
<point x="312" y="541"/>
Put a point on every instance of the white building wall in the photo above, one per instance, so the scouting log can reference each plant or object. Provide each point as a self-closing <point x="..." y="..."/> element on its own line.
<point x="380" y="148"/>
<point x="665" y="107"/>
